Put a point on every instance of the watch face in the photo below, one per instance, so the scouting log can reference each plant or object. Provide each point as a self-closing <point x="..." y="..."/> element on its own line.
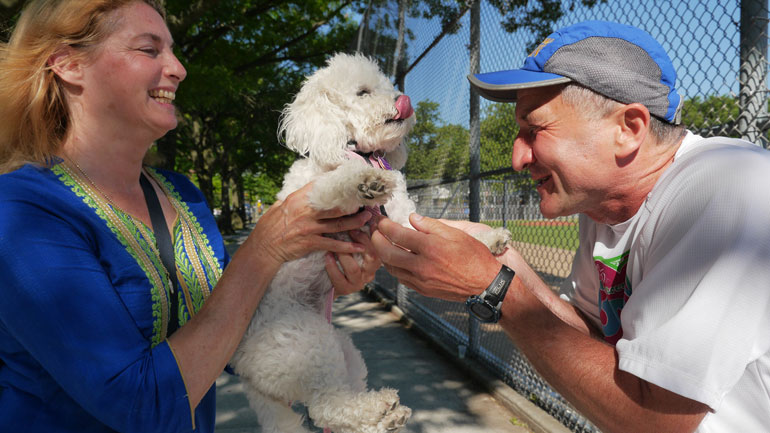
<point x="483" y="312"/>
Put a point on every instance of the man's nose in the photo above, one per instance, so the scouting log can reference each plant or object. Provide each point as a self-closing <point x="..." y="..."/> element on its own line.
<point x="521" y="155"/>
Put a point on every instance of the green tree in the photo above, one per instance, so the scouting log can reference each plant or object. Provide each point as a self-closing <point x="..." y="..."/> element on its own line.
<point x="536" y="16"/>
<point x="9" y="10"/>
<point x="436" y="151"/>
<point x="498" y="130"/>
<point x="713" y="114"/>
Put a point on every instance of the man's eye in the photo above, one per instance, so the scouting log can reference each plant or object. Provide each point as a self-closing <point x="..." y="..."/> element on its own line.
<point x="150" y="51"/>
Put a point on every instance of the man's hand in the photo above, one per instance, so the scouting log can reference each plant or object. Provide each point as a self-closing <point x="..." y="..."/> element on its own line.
<point x="469" y="227"/>
<point x="435" y="259"/>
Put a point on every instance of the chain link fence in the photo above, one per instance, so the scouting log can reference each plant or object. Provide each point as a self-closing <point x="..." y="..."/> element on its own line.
<point x="459" y="165"/>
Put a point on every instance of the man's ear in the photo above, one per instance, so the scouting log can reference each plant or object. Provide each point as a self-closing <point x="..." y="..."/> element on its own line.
<point x="634" y="122"/>
<point x="66" y="65"/>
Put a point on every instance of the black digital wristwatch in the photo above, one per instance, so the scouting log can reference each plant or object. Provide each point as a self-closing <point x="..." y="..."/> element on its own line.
<point x="486" y="307"/>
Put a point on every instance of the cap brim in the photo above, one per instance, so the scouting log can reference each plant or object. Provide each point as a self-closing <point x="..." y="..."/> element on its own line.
<point x="501" y="86"/>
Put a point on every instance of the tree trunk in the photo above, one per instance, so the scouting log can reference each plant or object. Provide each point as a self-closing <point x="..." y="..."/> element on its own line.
<point x="363" y="28"/>
<point x="398" y="54"/>
<point x="225" y="222"/>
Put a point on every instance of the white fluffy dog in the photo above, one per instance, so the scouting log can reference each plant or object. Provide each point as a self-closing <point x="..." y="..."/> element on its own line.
<point x="346" y="120"/>
<point x="291" y="353"/>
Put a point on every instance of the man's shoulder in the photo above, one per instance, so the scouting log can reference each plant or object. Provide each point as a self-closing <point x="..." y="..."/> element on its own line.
<point x="722" y="174"/>
<point x="695" y="148"/>
<point x="719" y="162"/>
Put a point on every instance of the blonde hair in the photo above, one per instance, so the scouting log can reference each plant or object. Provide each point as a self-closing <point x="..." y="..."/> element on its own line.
<point x="34" y="115"/>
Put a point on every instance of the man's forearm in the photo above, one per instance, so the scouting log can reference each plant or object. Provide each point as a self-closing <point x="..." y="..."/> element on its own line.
<point x="540" y="290"/>
<point x="558" y="342"/>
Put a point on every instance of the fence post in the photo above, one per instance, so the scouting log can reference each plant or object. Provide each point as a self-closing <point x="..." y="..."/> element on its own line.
<point x="752" y="98"/>
<point x="475" y="121"/>
<point x="474" y="197"/>
<point x="505" y="202"/>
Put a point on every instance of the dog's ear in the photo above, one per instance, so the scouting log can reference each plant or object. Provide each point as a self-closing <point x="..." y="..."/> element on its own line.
<point x="312" y="125"/>
<point x="397" y="157"/>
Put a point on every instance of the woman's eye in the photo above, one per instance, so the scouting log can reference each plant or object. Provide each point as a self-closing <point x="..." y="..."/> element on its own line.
<point x="363" y="92"/>
<point x="150" y="51"/>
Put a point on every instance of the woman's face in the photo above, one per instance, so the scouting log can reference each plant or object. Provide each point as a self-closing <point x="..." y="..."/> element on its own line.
<point x="130" y="84"/>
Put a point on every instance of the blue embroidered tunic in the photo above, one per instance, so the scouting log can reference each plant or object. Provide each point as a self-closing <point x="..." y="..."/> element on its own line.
<point x="84" y="307"/>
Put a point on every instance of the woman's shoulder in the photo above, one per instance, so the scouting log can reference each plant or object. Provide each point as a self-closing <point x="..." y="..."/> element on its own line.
<point x="29" y="181"/>
<point x="35" y="195"/>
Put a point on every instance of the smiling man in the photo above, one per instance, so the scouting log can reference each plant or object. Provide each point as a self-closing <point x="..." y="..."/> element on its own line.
<point x="664" y="323"/>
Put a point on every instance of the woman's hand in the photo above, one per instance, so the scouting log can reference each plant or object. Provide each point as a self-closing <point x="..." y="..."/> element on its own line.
<point x="291" y="229"/>
<point x="353" y="276"/>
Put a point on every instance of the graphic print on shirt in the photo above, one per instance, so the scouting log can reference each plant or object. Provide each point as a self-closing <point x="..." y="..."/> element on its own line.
<point x="615" y="291"/>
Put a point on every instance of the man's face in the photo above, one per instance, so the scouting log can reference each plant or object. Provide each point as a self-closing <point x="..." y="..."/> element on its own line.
<point x="569" y="154"/>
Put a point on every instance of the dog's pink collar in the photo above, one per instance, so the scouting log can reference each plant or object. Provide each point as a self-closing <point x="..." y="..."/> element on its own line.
<point x="376" y="159"/>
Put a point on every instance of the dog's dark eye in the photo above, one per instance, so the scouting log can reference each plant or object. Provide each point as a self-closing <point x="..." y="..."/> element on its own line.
<point x="363" y="92"/>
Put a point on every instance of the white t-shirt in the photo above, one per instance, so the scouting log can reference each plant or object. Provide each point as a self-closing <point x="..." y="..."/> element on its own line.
<point x="690" y="273"/>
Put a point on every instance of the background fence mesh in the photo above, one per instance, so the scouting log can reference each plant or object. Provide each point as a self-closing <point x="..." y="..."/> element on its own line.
<point x="719" y="50"/>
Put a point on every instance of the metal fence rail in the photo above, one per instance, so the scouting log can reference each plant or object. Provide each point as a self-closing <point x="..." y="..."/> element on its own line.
<point x="719" y="50"/>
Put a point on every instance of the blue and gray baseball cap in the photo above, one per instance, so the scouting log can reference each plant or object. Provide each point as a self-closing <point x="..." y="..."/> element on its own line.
<point x="618" y="61"/>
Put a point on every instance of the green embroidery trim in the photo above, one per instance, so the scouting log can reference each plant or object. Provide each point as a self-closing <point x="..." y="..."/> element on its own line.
<point x="190" y="244"/>
<point x="144" y="257"/>
<point x="196" y="243"/>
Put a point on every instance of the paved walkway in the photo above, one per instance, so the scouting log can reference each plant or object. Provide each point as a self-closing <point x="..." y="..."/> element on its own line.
<point x="444" y="398"/>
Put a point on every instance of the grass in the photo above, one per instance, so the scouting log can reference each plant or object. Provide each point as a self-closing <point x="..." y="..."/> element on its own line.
<point x="533" y="232"/>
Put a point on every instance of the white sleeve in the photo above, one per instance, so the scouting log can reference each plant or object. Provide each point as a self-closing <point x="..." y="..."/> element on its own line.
<point x="700" y="313"/>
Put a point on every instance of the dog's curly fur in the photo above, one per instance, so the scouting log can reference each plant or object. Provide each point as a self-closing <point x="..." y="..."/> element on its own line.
<point x="290" y="353"/>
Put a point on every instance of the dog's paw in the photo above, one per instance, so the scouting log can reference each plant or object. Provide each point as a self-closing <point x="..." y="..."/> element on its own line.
<point x="394" y="419"/>
<point x="394" y="416"/>
<point x="375" y="187"/>
<point x="497" y="240"/>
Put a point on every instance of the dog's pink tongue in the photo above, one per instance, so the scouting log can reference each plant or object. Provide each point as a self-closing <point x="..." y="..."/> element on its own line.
<point x="404" y="107"/>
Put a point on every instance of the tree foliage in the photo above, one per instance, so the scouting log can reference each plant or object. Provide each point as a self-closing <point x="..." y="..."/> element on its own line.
<point x="498" y="130"/>
<point x="436" y="151"/>
<point x="537" y="16"/>
<point x="715" y="113"/>
<point x="9" y="11"/>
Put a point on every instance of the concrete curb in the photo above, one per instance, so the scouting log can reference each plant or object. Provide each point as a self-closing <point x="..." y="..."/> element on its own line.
<point x="536" y="419"/>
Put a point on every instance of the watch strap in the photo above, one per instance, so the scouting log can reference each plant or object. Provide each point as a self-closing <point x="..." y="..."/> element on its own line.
<point x="496" y="291"/>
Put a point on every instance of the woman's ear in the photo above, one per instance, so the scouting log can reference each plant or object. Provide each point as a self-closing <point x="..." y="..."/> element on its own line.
<point x="66" y="65"/>
<point x="633" y="122"/>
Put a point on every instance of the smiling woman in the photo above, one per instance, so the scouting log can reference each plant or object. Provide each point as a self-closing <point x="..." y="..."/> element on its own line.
<point x="120" y="306"/>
